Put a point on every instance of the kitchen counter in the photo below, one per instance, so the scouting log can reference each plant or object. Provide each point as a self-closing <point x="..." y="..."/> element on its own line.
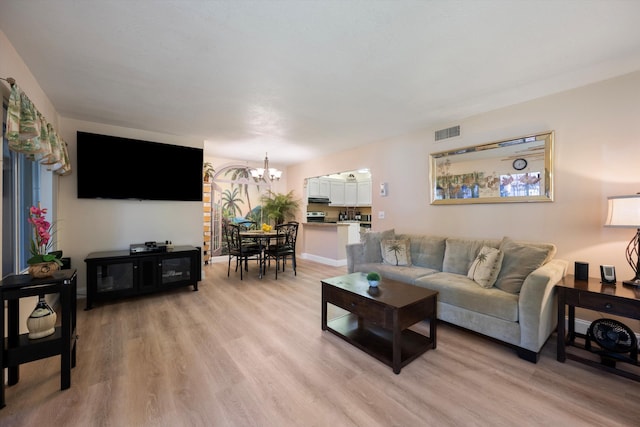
<point x="324" y="224"/>
<point x="326" y="242"/>
<point x="345" y="222"/>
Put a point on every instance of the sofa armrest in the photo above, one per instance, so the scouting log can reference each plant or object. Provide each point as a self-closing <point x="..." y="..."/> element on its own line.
<point x="355" y="256"/>
<point x="537" y="304"/>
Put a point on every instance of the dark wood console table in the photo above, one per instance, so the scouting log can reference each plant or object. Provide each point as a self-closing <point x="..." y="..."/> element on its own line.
<point x="17" y="348"/>
<point x="619" y="300"/>
<point x="120" y="274"/>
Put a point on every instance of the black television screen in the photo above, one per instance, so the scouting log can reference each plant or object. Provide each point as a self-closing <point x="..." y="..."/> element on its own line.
<point x="111" y="167"/>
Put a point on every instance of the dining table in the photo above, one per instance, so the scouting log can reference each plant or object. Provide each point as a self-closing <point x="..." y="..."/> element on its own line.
<point x="263" y="239"/>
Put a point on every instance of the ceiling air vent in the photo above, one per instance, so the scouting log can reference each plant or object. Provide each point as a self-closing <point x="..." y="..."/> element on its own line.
<point x="447" y="133"/>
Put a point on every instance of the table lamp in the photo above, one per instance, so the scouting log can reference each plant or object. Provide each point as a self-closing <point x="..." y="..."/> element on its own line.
<point x="624" y="211"/>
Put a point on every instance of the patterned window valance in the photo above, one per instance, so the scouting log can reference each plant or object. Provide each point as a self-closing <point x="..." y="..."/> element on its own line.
<point x="28" y="132"/>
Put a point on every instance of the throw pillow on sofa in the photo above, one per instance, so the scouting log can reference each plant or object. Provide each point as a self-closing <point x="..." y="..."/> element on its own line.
<point x="371" y="241"/>
<point x="486" y="267"/>
<point x="396" y="252"/>
<point x="518" y="262"/>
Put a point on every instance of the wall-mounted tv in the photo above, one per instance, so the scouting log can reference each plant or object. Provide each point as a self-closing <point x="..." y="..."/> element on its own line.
<point x="111" y="167"/>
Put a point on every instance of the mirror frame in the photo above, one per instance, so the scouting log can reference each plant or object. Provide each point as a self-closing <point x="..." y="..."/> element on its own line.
<point x="485" y="186"/>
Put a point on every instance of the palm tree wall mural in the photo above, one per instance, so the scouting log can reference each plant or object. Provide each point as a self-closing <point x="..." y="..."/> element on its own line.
<point x="240" y="195"/>
<point x="241" y="177"/>
<point x="231" y="201"/>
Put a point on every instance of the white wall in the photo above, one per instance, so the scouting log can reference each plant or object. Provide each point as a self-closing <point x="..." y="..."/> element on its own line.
<point x="597" y="146"/>
<point x="102" y="225"/>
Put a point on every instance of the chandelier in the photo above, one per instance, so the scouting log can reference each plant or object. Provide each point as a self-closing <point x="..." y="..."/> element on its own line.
<point x="272" y="174"/>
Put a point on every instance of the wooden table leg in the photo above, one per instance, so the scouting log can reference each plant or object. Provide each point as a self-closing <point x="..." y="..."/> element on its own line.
<point x="397" y="349"/>
<point x="561" y="354"/>
<point x="65" y="352"/>
<point x="324" y="309"/>
<point x="13" y="334"/>
<point x="433" y="323"/>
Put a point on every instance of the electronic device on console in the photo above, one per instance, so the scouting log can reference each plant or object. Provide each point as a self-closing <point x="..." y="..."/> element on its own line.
<point x="147" y="247"/>
<point x="608" y="274"/>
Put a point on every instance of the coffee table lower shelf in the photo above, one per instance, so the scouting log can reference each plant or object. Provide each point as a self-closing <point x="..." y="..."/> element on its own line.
<point x="377" y="341"/>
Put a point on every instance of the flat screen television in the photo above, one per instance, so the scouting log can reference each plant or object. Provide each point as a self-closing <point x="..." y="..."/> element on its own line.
<point x="111" y="167"/>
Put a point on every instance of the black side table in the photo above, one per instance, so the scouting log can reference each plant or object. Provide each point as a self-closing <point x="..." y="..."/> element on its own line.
<point x="17" y="348"/>
<point x="619" y="300"/>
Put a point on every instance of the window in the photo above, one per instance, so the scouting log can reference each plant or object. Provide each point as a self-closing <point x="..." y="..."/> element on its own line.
<point x="520" y="184"/>
<point x="21" y="188"/>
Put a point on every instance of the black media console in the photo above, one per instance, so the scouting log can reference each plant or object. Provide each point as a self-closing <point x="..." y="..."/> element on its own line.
<point x="121" y="274"/>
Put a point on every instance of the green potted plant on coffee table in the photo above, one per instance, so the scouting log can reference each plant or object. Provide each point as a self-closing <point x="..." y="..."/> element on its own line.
<point x="373" y="278"/>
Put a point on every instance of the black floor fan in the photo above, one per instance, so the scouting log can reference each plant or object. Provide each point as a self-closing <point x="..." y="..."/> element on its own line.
<point x="616" y="340"/>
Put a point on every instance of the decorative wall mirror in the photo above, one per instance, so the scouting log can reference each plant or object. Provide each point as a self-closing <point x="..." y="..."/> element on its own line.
<point x="514" y="170"/>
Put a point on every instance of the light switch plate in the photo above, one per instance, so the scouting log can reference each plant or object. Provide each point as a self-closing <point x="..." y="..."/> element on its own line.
<point x="381" y="215"/>
<point x="384" y="189"/>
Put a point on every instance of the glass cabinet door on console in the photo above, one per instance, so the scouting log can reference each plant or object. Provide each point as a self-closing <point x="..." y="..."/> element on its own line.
<point x="115" y="277"/>
<point x="119" y="274"/>
<point x="147" y="272"/>
<point x="176" y="270"/>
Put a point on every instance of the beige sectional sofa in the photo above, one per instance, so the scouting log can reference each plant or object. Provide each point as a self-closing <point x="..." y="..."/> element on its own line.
<point x="506" y="293"/>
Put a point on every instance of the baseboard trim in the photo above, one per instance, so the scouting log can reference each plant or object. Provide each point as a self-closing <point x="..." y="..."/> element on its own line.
<point x="323" y="260"/>
<point x="582" y="326"/>
<point x="310" y="257"/>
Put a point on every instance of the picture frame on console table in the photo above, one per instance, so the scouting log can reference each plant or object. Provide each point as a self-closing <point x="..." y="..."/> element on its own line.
<point x="510" y="171"/>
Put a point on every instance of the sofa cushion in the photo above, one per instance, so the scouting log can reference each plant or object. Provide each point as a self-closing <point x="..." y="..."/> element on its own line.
<point x="408" y="274"/>
<point x="460" y="291"/>
<point x="460" y="253"/>
<point x="395" y="252"/>
<point x="426" y="251"/>
<point x="485" y="268"/>
<point x="518" y="262"/>
<point x="371" y="241"/>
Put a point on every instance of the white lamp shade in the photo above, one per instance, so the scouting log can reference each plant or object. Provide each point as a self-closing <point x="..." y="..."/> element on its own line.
<point x="624" y="211"/>
<point x="275" y="173"/>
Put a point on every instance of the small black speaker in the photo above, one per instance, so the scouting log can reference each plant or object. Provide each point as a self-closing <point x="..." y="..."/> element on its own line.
<point x="582" y="270"/>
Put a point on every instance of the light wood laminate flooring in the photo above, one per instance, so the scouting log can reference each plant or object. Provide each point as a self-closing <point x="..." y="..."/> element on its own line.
<point x="252" y="353"/>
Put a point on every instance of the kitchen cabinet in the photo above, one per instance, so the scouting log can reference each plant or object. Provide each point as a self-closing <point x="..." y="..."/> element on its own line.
<point x="337" y="193"/>
<point x="363" y="193"/>
<point x="318" y="187"/>
<point x="325" y="187"/>
<point x="351" y="193"/>
<point x="313" y="187"/>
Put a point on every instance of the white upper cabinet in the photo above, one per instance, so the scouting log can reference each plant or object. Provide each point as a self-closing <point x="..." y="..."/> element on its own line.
<point x="313" y="187"/>
<point x="325" y="187"/>
<point x="351" y="193"/>
<point x="318" y="187"/>
<point x="337" y="193"/>
<point x="364" y="193"/>
<point x="354" y="191"/>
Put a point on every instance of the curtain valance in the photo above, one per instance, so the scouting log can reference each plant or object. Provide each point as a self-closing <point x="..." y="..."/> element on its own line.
<point x="28" y="132"/>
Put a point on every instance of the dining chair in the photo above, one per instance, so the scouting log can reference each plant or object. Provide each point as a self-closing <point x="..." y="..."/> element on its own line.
<point x="284" y="246"/>
<point x="248" y="226"/>
<point x="238" y="249"/>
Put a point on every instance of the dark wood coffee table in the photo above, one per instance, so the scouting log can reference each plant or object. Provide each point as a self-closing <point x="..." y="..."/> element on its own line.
<point x="378" y="321"/>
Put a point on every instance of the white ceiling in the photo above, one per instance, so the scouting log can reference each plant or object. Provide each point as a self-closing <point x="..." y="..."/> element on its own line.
<point x="303" y="78"/>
